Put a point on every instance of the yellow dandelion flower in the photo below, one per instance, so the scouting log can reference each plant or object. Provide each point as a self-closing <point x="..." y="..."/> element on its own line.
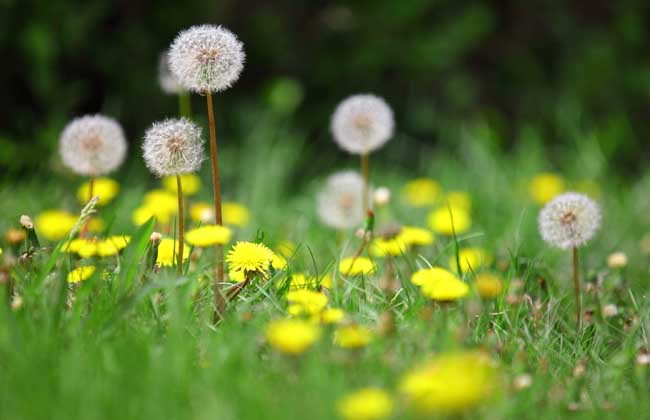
<point x="421" y="192"/>
<point x="202" y="212"/>
<point x="235" y="214"/>
<point x="292" y="336"/>
<point x="445" y="290"/>
<point x="381" y="247"/>
<point x="236" y="276"/>
<point x="80" y="274"/>
<point x="299" y="281"/>
<point x="54" y="224"/>
<point x="208" y="235"/>
<point x="249" y="257"/>
<point x="112" y="245"/>
<point x="352" y="336"/>
<point x="471" y="259"/>
<point x="105" y="188"/>
<point x="278" y="262"/>
<point x="415" y="236"/>
<point x="168" y="252"/>
<point x="440" y="220"/>
<point x="286" y="248"/>
<point x="191" y="184"/>
<point x="434" y="274"/>
<point x="458" y="200"/>
<point x="146" y="212"/>
<point x="545" y="186"/>
<point x="362" y="265"/>
<point x="162" y="200"/>
<point x="326" y="281"/>
<point x="366" y="404"/>
<point x="449" y="383"/>
<point x="488" y="285"/>
<point x="332" y="316"/>
<point x="306" y="302"/>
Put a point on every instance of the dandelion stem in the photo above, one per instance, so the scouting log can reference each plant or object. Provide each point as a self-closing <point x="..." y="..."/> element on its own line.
<point x="576" y="285"/>
<point x="91" y="194"/>
<point x="219" y="300"/>
<point x="365" y="172"/>
<point x="181" y="224"/>
<point x="184" y="105"/>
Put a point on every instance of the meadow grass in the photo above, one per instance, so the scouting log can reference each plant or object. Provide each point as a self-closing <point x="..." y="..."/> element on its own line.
<point x="135" y="344"/>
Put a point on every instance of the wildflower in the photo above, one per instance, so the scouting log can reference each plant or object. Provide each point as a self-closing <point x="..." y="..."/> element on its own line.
<point x="249" y="257"/>
<point x="449" y="383"/>
<point x="92" y="145"/>
<point x="458" y="200"/>
<point x="488" y="285"/>
<point x="332" y="316"/>
<point x="300" y="281"/>
<point x="352" y="336"/>
<point x="569" y="221"/>
<point x="26" y="222"/>
<point x="201" y="212"/>
<point x="208" y="235"/>
<point x="173" y="147"/>
<point x="381" y="196"/>
<point x="415" y="236"/>
<point x="191" y="184"/>
<point x="168" y="251"/>
<point x="168" y="82"/>
<point x="235" y="214"/>
<point x="439" y="284"/>
<point x="433" y="274"/>
<point x="15" y="236"/>
<point x="55" y="224"/>
<point x="381" y="247"/>
<point x="112" y="245"/>
<point x="352" y="266"/>
<point x="146" y="212"/>
<point x="340" y="203"/>
<point x="278" y="262"/>
<point x="366" y="404"/>
<point x="80" y="274"/>
<point x="545" y="186"/>
<point x="421" y="192"/>
<point x="610" y="310"/>
<point x="306" y="302"/>
<point x="206" y="58"/>
<point x="617" y="260"/>
<point x="440" y="220"/>
<point x="292" y="336"/>
<point x="105" y="188"/>
<point x="362" y="124"/>
<point x="162" y="201"/>
<point x="236" y="276"/>
<point x="471" y="259"/>
<point x="523" y="381"/>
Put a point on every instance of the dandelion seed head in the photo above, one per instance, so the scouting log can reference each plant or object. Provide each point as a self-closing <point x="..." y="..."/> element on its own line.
<point x="362" y="123"/>
<point x="206" y="58"/>
<point x="173" y="147"/>
<point x="92" y="145"/>
<point x="340" y="203"/>
<point x="569" y="220"/>
<point x="168" y="82"/>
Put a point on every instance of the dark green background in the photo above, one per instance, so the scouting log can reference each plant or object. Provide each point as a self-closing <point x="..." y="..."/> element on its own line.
<point x="550" y="70"/>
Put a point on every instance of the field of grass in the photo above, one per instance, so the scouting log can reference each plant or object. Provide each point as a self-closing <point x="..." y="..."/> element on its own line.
<point x="137" y="343"/>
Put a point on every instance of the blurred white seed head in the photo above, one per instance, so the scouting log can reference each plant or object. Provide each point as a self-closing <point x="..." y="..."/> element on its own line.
<point x="92" y="145"/>
<point x="362" y="123"/>
<point x="206" y="58"/>
<point x="382" y="196"/>
<point x="610" y="310"/>
<point x="168" y="82"/>
<point x="340" y="203"/>
<point x="173" y="147"/>
<point x="569" y="220"/>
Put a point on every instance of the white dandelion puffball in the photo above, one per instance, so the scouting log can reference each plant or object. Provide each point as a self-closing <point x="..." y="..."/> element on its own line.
<point x="92" y="145"/>
<point x="569" y="220"/>
<point x="362" y="123"/>
<point x="168" y="82"/>
<point x="173" y="147"/>
<point x="206" y="58"/>
<point x="340" y="203"/>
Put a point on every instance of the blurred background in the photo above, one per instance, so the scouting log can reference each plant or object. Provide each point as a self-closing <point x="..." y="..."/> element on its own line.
<point x="509" y="71"/>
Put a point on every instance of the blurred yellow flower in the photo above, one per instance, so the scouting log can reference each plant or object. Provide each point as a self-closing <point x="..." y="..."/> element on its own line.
<point x="458" y="199"/>
<point x="286" y="248"/>
<point x="105" y="188"/>
<point x="278" y="262"/>
<point x="439" y="284"/>
<point x="415" y="236"/>
<point x="362" y="265"/>
<point x="202" y="212"/>
<point x="332" y="316"/>
<point x="168" y="252"/>
<point x="352" y="336"/>
<point x="54" y="224"/>
<point x="292" y="336"/>
<point x="449" y="383"/>
<point x="366" y="404"/>
<point x="306" y="302"/>
<point x="440" y="220"/>
<point x="421" y="192"/>
<point x="433" y="274"/>
<point x="236" y="276"/>
<point x="471" y="259"/>
<point x="112" y="245"/>
<point x="235" y="214"/>
<point x="80" y="274"/>
<point x="143" y="213"/>
<point x="381" y="247"/>
<point x="488" y="285"/>
<point x="249" y="257"/>
<point x="545" y="186"/>
<point x="208" y="235"/>
<point x="191" y="184"/>
<point x="87" y="248"/>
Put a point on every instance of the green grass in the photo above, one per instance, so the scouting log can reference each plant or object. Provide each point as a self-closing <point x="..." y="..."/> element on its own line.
<point x="133" y="349"/>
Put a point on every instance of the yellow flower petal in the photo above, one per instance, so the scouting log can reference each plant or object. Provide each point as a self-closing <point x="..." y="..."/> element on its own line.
<point x="105" y="188"/>
<point x="80" y="274"/>
<point x="421" y="192"/>
<point x="292" y="336"/>
<point x="362" y="265"/>
<point x="208" y="235"/>
<point x="440" y="221"/>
